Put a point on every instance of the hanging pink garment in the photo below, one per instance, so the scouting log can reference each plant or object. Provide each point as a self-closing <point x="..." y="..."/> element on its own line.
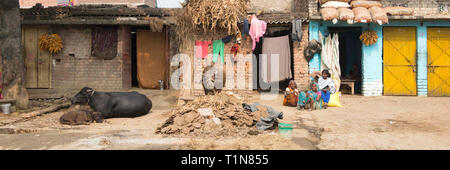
<point x="201" y="48"/>
<point x="257" y="30"/>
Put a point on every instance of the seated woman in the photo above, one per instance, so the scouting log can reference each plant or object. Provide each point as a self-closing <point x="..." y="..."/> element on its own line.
<point x="326" y="87"/>
<point x="310" y="99"/>
<point x="291" y="95"/>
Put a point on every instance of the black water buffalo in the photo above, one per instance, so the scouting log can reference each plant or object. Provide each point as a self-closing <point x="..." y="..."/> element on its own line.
<point x="114" y="104"/>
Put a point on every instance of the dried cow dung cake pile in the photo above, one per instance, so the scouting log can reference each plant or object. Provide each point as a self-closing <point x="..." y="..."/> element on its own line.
<point x="218" y="115"/>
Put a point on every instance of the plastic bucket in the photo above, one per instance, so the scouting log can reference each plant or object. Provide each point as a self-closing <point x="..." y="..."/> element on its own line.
<point x="285" y="130"/>
<point x="6" y="108"/>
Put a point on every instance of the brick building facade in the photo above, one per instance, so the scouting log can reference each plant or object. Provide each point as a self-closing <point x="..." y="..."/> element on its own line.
<point x="74" y="67"/>
<point x="424" y="33"/>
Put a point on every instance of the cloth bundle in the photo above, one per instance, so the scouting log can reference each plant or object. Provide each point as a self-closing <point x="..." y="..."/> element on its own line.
<point x="335" y="4"/>
<point x="297" y="30"/>
<point x="265" y="123"/>
<point x="313" y="47"/>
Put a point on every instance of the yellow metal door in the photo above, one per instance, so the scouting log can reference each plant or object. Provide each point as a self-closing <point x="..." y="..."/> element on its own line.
<point x="399" y="61"/>
<point x="438" y="61"/>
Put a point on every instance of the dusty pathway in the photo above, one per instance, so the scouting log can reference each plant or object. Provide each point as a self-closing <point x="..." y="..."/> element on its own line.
<point x="363" y="123"/>
<point x="386" y="123"/>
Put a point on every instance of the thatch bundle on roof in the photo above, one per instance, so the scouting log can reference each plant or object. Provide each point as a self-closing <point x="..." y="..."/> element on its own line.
<point x="216" y="14"/>
<point x="156" y="24"/>
<point x="210" y="16"/>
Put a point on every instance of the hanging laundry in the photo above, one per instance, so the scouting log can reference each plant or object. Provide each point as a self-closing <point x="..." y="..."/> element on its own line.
<point x="297" y="30"/>
<point x="227" y="39"/>
<point x="245" y="28"/>
<point x="257" y="30"/>
<point x="218" y="50"/>
<point x="201" y="48"/>
<point x="277" y="46"/>
<point x="330" y="57"/>
<point x="235" y="49"/>
<point x="104" y="42"/>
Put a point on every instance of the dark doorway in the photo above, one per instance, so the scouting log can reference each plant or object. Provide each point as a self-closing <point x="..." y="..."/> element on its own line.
<point x="134" y="80"/>
<point x="273" y="32"/>
<point x="350" y="54"/>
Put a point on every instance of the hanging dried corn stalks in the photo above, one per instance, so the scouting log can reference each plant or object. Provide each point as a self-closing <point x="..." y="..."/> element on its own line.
<point x="52" y="43"/>
<point x="369" y="37"/>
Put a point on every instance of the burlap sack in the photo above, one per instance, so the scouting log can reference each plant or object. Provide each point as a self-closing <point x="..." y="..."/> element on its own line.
<point x="346" y="14"/>
<point x="362" y="15"/>
<point x="329" y="14"/>
<point x="379" y="15"/>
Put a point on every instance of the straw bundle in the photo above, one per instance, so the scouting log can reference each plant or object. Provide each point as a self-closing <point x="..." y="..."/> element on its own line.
<point x="209" y="16"/>
<point x="156" y="24"/>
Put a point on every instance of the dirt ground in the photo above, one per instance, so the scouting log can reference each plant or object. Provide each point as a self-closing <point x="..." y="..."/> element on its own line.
<point x="363" y="123"/>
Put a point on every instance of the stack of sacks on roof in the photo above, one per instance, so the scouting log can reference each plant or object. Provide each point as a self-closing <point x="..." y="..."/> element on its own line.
<point x="379" y="15"/>
<point x="346" y="14"/>
<point x="330" y="11"/>
<point x="359" y="11"/>
<point x="362" y="15"/>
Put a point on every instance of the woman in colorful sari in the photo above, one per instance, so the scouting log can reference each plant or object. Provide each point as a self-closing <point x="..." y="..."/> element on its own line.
<point x="291" y="95"/>
<point x="310" y="99"/>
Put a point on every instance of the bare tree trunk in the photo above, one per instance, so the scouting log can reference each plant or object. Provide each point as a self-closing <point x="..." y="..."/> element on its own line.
<point x="11" y="53"/>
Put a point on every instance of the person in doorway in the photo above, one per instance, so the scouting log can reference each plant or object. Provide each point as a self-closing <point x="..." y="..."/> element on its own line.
<point x="291" y="95"/>
<point x="355" y="73"/>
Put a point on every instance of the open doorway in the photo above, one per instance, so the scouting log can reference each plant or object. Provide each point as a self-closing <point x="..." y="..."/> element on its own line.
<point x="134" y="80"/>
<point x="350" y="54"/>
<point x="273" y="32"/>
<point x="149" y="58"/>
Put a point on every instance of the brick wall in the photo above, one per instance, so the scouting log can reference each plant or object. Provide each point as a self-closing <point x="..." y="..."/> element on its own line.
<point x="301" y="68"/>
<point x="270" y="6"/>
<point x="244" y="70"/>
<point x="313" y="7"/>
<point x="75" y="72"/>
<point x="421" y="7"/>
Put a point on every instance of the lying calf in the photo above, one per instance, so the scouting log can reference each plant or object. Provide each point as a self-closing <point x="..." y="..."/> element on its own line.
<point x="80" y="118"/>
<point x="114" y="104"/>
